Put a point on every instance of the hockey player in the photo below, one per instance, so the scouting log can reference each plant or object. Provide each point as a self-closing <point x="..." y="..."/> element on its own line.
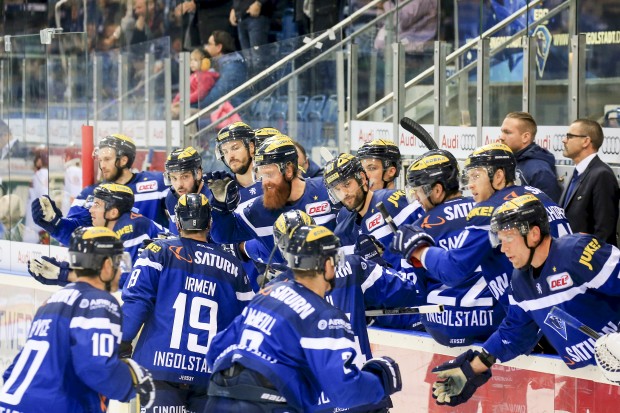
<point x="490" y="174"/>
<point x="289" y="345"/>
<point x="235" y="147"/>
<point x="181" y="292"/>
<point x="577" y="273"/>
<point x="471" y="313"/>
<point x="183" y="174"/>
<point x="346" y="182"/>
<point x="359" y="284"/>
<point x="116" y="154"/>
<point x="283" y="189"/>
<point x="381" y="161"/>
<point x="70" y="361"/>
<point x="110" y="206"/>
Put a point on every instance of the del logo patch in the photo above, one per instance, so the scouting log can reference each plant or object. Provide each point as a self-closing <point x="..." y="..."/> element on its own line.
<point x="559" y="281"/>
<point x="146" y="186"/>
<point x="318" y="208"/>
<point x="375" y="221"/>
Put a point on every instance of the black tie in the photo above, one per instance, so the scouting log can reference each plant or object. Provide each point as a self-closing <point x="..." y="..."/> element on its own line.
<point x="571" y="187"/>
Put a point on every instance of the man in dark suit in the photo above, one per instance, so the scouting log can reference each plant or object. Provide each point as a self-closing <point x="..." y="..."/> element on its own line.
<point x="9" y="146"/>
<point x="591" y="198"/>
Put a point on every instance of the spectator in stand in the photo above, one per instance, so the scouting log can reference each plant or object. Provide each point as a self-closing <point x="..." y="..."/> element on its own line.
<point x="211" y="15"/>
<point x="591" y="197"/>
<point x="149" y="21"/>
<point x="535" y="165"/>
<point x="308" y="168"/>
<point x="231" y="67"/>
<point x="10" y="147"/>
<point x="252" y="19"/>
<point x="201" y="80"/>
<point x="416" y="29"/>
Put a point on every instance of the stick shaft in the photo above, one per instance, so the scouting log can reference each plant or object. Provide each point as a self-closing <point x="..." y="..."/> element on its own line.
<point x="387" y="217"/>
<point x="423" y="309"/>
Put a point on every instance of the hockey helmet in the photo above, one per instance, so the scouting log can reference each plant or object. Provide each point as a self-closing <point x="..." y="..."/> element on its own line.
<point x="340" y="169"/>
<point x="183" y="160"/>
<point x="279" y="150"/>
<point x="263" y="133"/>
<point x="233" y="132"/>
<point x="115" y="196"/>
<point x="309" y="246"/>
<point x="193" y="212"/>
<point x="286" y="222"/>
<point x="491" y="157"/>
<point x="123" y="145"/>
<point x="436" y="166"/>
<point x="90" y="246"/>
<point x="384" y="150"/>
<point x="521" y="213"/>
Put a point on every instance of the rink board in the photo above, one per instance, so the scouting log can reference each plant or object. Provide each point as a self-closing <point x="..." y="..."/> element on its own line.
<point x="526" y="384"/>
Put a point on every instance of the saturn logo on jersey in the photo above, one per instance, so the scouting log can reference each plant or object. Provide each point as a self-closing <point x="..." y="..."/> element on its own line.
<point x="317" y="208"/>
<point x="375" y="221"/>
<point x="146" y="186"/>
<point x="177" y="253"/>
<point x="560" y="281"/>
<point x="426" y="224"/>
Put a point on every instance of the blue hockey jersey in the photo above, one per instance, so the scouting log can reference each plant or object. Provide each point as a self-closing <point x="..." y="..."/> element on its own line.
<point x="70" y="359"/>
<point x="149" y="193"/>
<point x="471" y="313"/>
<point x="350" y="225"/>
<point x="256" y="222"/>
<point x="457" y="265"/>
<point x="184" y="292"/>
<point x="581" y="276"/>
<point x="301" y="344"/>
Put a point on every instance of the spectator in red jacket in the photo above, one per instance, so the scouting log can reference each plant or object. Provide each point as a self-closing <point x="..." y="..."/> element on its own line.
<point x="201" y="80"/>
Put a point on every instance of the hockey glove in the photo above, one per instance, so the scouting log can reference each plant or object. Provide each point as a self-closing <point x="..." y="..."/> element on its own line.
<point x="370" y="249"/>
<point x="49" y="271"/>
<point x="388" y="372"/>
<point x="459" y="382"/>
<point x="224" y="190"/>
<point x="45" y="213"/>
<point x="408" y="239"/>
<point x="143" y="383"/>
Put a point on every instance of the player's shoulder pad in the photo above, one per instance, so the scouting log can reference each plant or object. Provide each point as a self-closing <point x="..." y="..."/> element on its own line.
<point x="393" y="199"/>
<point x="585" y="251"/>
<point x="87" y="191"/>
<point x="94" y="301"/>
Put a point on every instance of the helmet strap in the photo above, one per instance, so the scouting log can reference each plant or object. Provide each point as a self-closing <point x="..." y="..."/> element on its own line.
<point x="532" y="251"/>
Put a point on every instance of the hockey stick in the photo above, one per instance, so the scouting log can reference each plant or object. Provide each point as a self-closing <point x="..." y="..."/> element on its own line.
<point x="386" y="215"/>
<point x="419" y="132"/>
<point x="326" y="154"/>
<point x="573" y="322"/>
<point x="423" y="309"/>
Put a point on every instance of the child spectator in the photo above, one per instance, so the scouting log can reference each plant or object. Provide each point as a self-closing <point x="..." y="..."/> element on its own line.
<point x="201" y="80"/>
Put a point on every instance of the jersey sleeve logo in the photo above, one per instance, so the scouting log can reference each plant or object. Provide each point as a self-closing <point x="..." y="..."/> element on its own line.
<point x="588" y="253"/>
<point x="426" y="224"/>
<point x="557" y="324"/>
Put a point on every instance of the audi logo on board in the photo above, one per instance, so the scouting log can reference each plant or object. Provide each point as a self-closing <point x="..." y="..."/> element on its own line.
<point x="466" y="141"/>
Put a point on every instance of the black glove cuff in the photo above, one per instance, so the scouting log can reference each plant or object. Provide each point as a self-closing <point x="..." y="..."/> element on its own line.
<point x="486" y="358"/>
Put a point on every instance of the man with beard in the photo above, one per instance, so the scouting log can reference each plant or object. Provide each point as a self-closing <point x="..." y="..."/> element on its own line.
<point x="235" y="146"/>
<point x="183" y="174"/>
<point x="382" y="162"/>
<point x="283" y="189"/>
<point x="347" y="182"/>
<point x="115" y="154"/>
